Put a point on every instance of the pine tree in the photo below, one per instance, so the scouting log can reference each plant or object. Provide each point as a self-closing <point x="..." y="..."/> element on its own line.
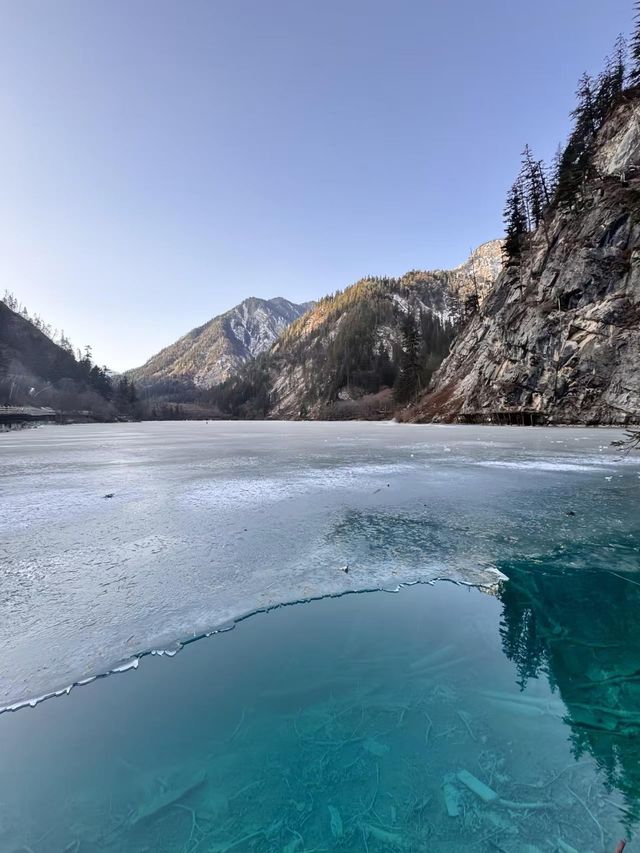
<point x="569" y="174"/>
<point x="408" y="380"/>
<point x="11" y="301"/>
<point x="553" y="172"/>
<point x="65" y="343"/>
<point x="515" y="220"/>
<point x="132" y="396"/>
<point x="576" y="158"/>
<point x="123" y="394"/>
<point x="619" y="64"/>
<point x="585" y="111"/>
<point x="534" y="186"/>
<point x="101" y="382"/>
<point x="604" y="94"/>
<point x="634" y="73"/>
<point x="610" y="82"/>
<point x="470" y="306"/>
<point x="384" y="368"/>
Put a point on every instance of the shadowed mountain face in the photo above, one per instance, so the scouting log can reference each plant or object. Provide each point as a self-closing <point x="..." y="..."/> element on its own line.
<point x="210" y="353"/>
<point x="36" y="371"/>
<point x="27" y="356"/>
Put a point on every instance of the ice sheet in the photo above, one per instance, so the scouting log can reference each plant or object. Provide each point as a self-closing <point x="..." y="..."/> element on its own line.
<point x="209" y="521"/>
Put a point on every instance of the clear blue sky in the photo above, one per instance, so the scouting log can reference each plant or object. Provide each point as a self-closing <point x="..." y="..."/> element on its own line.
<point x="160" y="161"/>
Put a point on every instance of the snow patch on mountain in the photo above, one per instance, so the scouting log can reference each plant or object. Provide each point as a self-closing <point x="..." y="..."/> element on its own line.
<point x="211" y="353"/>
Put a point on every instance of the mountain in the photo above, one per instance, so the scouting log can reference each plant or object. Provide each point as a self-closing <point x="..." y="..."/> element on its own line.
<point x="479" y="272"/>
<point x="558" y="338"/>
<point x="343" y="357"/>
<point x="28" y="357"/>
<point x="36" y="371"/>
<point x="211" y="353"/>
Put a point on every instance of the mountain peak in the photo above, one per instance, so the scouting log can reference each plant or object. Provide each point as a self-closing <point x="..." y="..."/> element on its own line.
<point x="209" y="354"/>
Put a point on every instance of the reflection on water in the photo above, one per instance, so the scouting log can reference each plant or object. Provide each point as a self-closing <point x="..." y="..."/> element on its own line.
<point x="574" y="617"/>
<point x="439" y="719"/>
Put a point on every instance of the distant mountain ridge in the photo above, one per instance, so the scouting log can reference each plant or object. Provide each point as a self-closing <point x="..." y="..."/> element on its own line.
<point x="211" y="353"/>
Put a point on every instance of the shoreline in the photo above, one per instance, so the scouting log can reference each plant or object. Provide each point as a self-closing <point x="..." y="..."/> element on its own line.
<point x="26" y="425"/>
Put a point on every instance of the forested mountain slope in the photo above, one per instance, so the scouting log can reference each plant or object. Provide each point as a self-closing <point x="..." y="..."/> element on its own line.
<point x="37" y="371"/>
<point x="362" y="351"/>
<point x="27" y="356"/>
<point x="558" y="339"/>
<point x="212" y="352"/>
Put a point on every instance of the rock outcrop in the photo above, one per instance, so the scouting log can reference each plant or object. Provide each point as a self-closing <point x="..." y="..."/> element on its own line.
<point x="558" y="340"/>
<point x="478" y="274"/>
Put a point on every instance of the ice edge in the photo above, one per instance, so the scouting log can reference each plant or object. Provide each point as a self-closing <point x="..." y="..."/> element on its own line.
<point x="134" y="661"/>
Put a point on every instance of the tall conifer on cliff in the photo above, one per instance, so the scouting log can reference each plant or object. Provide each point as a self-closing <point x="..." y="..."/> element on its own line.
<point x="634" y="48"/>
<point x="515" y="220"/>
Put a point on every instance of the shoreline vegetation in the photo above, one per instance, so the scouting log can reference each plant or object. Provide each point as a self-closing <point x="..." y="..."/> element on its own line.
<point x="19" y="418"/>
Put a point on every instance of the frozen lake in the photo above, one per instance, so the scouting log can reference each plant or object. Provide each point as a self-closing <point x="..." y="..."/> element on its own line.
<point x="211" y="521"/>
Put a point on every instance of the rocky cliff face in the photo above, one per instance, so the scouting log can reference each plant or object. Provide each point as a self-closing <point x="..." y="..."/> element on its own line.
<point x="558" y="341"/>
<point x="211" y="353"/>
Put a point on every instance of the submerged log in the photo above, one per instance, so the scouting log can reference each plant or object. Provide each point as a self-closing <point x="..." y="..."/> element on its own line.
<point x="484" y="792"/>
<point x="335" y="822"/>
<point x="451" y="799"/>
<point x="166" y="799"/>
<point x="384" y="836"/>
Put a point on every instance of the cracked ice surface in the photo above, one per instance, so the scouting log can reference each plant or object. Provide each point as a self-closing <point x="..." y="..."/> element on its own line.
<point x="210" y="521"/>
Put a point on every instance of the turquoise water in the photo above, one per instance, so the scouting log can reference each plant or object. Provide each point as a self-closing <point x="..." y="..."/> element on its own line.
<point x="441" y="718"/>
